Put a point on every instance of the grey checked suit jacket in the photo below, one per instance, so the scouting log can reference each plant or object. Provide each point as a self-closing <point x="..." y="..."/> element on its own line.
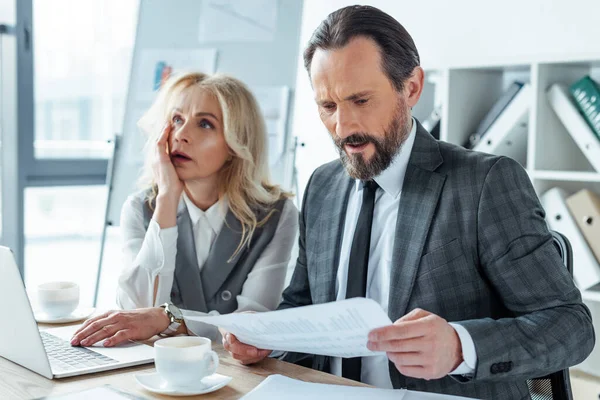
<point x="471" y="246"/>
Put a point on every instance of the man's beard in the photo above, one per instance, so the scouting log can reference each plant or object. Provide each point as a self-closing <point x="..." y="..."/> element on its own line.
<point x="386" y="149"/>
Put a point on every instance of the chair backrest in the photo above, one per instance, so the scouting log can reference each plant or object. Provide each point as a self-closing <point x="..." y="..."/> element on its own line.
<point x="564" y="248"/>
<point x="556" y="386"/>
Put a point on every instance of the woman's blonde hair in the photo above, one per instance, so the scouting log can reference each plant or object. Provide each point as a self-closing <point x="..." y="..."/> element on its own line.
<point x="245" y="179"/>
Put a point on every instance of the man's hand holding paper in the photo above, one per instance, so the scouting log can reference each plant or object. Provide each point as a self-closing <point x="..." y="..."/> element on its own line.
<point x="244" y="353"/>
<point x="420" y="344"/>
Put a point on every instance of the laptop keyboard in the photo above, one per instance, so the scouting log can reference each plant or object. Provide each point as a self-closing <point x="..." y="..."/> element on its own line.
<point x="65" y="357"/>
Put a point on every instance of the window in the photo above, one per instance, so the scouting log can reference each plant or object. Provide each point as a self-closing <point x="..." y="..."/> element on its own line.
<point x="1" y="133"/>
<point x="82" y="53"/>
<point x="7" y="125"/>
<point x="4" y="12"/>
<point x="82" y="61"/>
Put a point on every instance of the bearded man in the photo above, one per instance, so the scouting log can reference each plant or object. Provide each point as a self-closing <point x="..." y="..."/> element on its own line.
<point x="451" y="243"/>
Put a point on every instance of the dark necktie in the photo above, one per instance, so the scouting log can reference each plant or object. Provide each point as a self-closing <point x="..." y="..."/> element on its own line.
<point x="358" y="265"/>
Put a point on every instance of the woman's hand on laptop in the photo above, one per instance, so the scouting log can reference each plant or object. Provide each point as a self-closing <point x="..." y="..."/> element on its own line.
<point x="115" y="327"/>
<point x="242" y="352"/>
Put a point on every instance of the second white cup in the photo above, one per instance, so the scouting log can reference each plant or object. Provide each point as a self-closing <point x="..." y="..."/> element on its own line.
<point x="58" y="299"/>
<point x="183" y="361"/>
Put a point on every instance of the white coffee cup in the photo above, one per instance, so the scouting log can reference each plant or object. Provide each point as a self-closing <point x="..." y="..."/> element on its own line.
<point x="58" y="299"/>
<point x="184" y="360"/>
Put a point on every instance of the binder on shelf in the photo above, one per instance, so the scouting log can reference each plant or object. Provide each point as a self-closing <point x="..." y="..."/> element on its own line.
<point x="507" y="136"/>
<point x="586" y="93"/>
<point x="433" y="121"/>
<point x="586" y="269"/>
<point x="585" y="209"/>
<point x="491" y="116"/>
<point x="580" y="131"/>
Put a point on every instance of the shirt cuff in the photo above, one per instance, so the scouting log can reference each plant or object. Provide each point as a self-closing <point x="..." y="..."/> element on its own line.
<point x="467" y="367"/>
<point x="164" y="243"/>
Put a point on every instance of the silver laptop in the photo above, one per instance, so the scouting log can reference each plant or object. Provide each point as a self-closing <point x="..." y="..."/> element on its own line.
<point x="48" y="352"/>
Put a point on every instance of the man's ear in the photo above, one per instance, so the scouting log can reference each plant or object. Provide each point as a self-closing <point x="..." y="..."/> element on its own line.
<point x="413" y="86"/>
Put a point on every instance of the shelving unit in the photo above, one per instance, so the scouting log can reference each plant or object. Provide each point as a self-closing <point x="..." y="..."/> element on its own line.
<point x="552" y="157"/>
<point x="566" y="176"/>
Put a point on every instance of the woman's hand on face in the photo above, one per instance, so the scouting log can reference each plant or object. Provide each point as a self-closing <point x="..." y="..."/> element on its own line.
<point x="169" y="184"/>
<point x="115" y="327"/>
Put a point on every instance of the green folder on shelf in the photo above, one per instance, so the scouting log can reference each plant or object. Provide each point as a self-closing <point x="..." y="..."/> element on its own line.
<point x="586" y="93"/>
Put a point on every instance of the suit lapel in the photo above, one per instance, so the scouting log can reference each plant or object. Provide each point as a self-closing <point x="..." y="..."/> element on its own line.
<point x="218" y="265"/>
<point x="187" y="272"/>
<point x="330" y="232"/>
<point x="420" y="194"/>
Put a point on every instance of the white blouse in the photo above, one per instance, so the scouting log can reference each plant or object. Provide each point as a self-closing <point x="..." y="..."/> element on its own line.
<point x="151" y="253"/>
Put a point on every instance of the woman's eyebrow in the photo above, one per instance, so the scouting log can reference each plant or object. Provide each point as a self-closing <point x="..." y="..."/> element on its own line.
<point x="204" y="114"/>
<point x="198" y="114"/>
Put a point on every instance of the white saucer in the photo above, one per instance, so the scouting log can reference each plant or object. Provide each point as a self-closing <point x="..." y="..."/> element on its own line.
<point x="156" y="384"/>
<point x="77" y="315"/>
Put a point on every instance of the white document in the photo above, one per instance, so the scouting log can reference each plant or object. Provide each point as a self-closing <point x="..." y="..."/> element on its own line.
<point x="576" y="125"/>
<point x="274" y="103"/>
<point x="99" y="393"/>
<point x="282" y="387"/>
<point x="586" y="270"/>
<point x="337" y="329"/>
<point x="237" y="21"/>
<point x="508" y="134"/>
<point x="150" y="62"/>
<point x="277" y="387"/>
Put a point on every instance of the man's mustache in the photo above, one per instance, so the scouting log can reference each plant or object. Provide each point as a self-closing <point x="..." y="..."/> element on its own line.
<point x="356" y="138"/>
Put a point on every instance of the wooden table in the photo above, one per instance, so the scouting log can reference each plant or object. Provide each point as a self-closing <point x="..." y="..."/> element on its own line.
<point x="17" y="382"/>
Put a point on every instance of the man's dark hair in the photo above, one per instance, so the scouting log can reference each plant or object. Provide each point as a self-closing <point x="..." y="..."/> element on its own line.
<point x="398" y="51"/>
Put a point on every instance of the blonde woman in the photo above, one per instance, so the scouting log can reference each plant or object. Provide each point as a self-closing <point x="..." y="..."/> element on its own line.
<point x="209" y="233"/>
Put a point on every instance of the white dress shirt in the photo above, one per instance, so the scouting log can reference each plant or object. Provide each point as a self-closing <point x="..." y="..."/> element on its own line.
<point x="151" y="253"/>
<point x="374" y="370"/>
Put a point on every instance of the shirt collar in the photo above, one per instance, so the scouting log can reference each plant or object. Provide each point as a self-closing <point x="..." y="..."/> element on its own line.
<point x="391" y="179"/>
<point x="215" y="215"/>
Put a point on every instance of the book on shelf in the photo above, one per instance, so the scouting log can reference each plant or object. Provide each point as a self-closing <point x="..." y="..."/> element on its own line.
<point x="494" y="112"/>
<point x="507" y="135"/>
<point x="433" y="121"/>
<point x="568" y="113"/>
<point x="585" y="209"/>
<point x="586" y="270"/>
<point x="586" y="93"/>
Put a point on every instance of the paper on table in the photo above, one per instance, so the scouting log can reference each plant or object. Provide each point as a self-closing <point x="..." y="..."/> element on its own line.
<point x="337" y="329"/>
<point x="106" y="392"/>
<point x="279" y="386"/>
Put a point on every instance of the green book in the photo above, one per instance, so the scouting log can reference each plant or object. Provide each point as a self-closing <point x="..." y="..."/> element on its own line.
<point x="586" y="93"/>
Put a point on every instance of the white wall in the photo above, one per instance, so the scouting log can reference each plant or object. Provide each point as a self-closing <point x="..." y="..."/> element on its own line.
<point x="455" y="33"/>
<point x="175" y="25"/>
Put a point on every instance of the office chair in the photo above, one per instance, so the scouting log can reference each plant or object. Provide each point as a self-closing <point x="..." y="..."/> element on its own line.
<point x="555" y="386"/>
